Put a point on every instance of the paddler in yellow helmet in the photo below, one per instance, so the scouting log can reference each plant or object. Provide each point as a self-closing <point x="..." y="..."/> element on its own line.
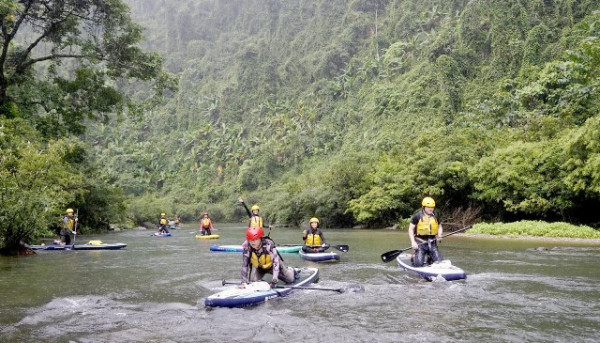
<point x="424" y="231"/>
<point x="206" y="224"/>
<point x="253" y="214"/>
<point x="260" y="257"/>
<point x="313" y="238"/>
<point x="68" y="227"/>
<point x="163" y="223"/>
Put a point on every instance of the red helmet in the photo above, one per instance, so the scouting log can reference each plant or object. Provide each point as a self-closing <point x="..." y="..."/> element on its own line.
<point x="254" y="232"/>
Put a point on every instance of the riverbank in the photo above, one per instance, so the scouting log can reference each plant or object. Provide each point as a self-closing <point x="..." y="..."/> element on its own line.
<point x="594" y="241"/>
<point x="529" y="229"/>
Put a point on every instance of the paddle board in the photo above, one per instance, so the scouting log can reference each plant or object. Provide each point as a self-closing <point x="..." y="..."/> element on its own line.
<point x="258" y="292"/>
<point x="443" y="269"/>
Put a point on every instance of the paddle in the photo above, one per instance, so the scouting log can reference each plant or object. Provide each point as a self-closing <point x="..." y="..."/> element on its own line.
<point x="75" y="225"/>
<point x="339" y="290"/>
<point x="390" y="255"/>
<point x="340" y="247"/>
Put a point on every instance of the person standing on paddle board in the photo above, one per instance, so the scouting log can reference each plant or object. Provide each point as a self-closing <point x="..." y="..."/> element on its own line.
<point x="163" y="223"/>
<point x="253" y="214"/>
<point x="313" y="238"/>
<point x="67" y="227"/>
<point x="425" y="230"/>
<point x="206" y="224"/>
<point x="260" y="257"/>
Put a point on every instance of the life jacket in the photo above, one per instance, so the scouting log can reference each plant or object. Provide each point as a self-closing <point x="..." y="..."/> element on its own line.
<point x="69" y="224"/>
<point x="206" y="223"/>
<point x="427" y="226"/>
<point x="263" y="260"/>
<point x="256" y="221"/>
<point x="313" y="239"/>
<point x="163" y="221"/>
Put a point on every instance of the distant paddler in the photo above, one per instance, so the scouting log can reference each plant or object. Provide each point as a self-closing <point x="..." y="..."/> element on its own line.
<point x="68" y="227"/>
<point x="163" y="224"/>
<point x="253" y="214"/>
<point x="206" y="225"/>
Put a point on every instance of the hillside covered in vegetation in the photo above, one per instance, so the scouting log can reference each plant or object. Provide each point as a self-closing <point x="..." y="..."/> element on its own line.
<point x="353" y="110"/>
<point x="350" y="111"/>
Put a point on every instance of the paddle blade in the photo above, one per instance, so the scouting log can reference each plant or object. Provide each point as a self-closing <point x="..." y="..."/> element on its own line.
<point x="342" y="247"/>
<point x="391" y="255"/>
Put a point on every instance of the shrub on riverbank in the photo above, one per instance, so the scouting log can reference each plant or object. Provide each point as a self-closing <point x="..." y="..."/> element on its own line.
<point x="536" y="228"/>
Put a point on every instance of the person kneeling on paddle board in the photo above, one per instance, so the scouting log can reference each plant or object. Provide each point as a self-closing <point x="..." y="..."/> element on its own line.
<point x="260" y="257"/>
<point x="253" y="214"/>
<point x="206" y="225"/>
<point x="313" y="238"/>
<point x="423" y="229"/>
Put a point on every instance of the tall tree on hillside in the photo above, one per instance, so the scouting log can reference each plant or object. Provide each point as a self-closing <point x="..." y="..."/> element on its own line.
<point x="62" y="60"/>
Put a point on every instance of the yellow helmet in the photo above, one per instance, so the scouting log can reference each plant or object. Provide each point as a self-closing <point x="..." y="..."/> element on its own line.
<point x="163" y="214"/>
<point x="428" y="202"/>
<point x="255" y="207"/>
<point x="69" y="210"/>
<point x="314" y="220"/>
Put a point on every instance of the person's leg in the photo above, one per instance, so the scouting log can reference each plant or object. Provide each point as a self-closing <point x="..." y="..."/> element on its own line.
<point x="435" y="253"/>
<point x="419" y="257"/>
<point x="286" y="274"/>
<point x="256" y="274"/>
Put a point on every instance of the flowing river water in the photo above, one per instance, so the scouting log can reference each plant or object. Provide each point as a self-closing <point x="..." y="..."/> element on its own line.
<point x="154" y="290"/>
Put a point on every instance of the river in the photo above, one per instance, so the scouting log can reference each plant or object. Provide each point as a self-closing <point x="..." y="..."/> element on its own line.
<point x="154" y="290"/>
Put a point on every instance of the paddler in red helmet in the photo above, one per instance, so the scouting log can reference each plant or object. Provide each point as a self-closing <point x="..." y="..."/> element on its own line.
<point x="260" y="257"/>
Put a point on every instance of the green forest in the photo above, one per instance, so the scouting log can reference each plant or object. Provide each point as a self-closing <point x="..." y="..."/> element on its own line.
<point x="351" y="111"/>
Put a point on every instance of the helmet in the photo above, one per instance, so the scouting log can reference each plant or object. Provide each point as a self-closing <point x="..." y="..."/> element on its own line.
<point x="255" y="207"/>
<point x="69" y="210"/>
<point x="428" y="202"/>
<point x="163" y="214"/>
<point x="254" y="232"/>
<point x="314" y="220"/>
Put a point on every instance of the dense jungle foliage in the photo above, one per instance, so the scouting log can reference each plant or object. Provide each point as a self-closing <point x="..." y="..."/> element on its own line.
<point x="62" y="67"/>
<point x="350" y="110"/>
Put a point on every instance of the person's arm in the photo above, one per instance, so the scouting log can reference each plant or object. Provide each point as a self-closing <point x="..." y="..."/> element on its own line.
<point x="75" y="220"/>
<point x="211" y="224"/>
<point x="411" y="235"/>
<point x="323" y="241"/>
<point x="245" y="262"/>
<point x="276" y="261"/>
<point x="246" y="207"/>
<point x="304" y="235"/>
<point x="440" y="232"/>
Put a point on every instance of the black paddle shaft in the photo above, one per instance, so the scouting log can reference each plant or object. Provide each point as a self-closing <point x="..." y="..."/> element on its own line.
<point x="391" y="255"/>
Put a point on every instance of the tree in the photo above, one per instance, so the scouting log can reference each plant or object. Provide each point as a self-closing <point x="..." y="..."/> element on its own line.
<point x="62" y="63"/>
<point x="35" y="186"/>
<point x="62" y="60"/>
